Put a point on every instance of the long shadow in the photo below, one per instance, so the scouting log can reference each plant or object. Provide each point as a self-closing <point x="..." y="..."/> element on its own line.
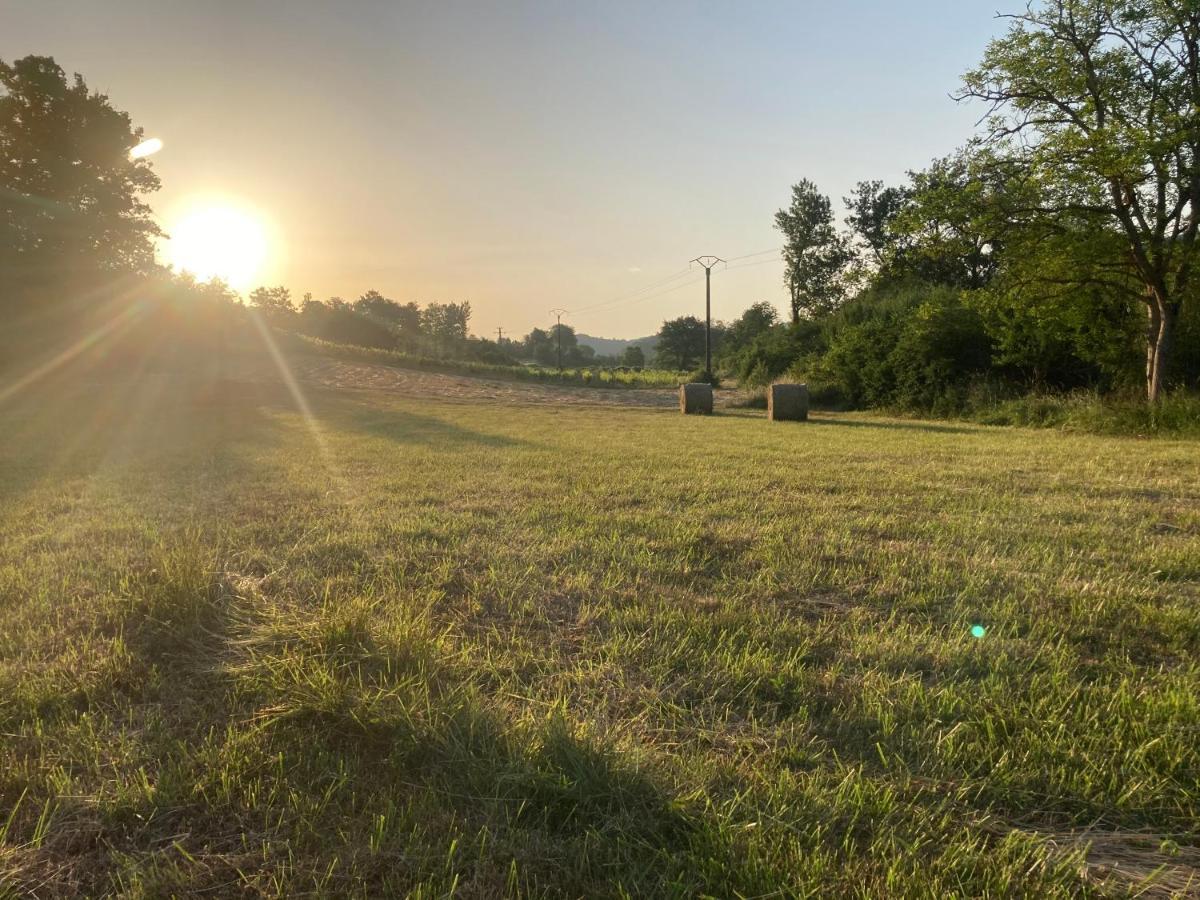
<point x="78" y="429"/>
<point x="437" y="758"/>
<point x="407" y="427"/>
<point x="893" y="425"/>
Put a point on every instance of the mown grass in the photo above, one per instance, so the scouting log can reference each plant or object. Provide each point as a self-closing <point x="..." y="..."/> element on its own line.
<point x="430" y="649"/>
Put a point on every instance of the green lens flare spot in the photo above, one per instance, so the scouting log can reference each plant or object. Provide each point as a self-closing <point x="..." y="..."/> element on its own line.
<point x="978" y="631"/>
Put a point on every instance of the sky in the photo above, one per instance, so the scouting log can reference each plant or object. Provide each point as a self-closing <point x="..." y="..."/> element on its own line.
<point x="522" y="156"/>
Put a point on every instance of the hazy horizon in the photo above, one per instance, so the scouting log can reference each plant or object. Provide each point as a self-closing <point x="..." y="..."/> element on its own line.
<point x="524" y="158"/>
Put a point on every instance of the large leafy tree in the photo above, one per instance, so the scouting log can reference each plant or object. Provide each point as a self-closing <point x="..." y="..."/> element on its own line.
<point x="71" y="204"/>
<point x="815" y="254"/>
<point x="946" y="239"/>
<point x="680" y="343"/>
<point x="446" y="321"/>
<point x="873" y="209"/>
<point x="1096" y="105"/>
<point x="404" y="317"/>
<point x="757" y="320"/>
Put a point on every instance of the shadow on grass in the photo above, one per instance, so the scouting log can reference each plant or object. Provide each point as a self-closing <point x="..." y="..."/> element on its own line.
<point x="892" y="425"/>
<point x="341" y="726"/>
<point x="75" y="428"/>
<point x="407" y="427"/>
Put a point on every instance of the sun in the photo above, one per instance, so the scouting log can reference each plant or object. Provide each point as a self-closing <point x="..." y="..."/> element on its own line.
<point x="219" y="241"/>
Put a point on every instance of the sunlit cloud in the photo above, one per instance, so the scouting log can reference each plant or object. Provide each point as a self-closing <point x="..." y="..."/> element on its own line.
<point x="147" y="147"/>
<point x="633" y="270"/>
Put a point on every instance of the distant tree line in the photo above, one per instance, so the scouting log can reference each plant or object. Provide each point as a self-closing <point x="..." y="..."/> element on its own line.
<point x="77" y="253"/>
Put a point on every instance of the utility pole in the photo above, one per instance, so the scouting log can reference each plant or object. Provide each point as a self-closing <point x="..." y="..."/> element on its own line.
<point x="499" y="336"/>
<point x="708" y="262"/>
<point x="558" y="314"/>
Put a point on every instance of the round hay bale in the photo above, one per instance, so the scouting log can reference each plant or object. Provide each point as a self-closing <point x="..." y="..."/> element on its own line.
<point x="696" y="399"/>
<point x="787" y="402"/>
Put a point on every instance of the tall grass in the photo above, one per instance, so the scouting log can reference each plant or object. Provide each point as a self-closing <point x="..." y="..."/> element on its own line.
<point x="1175" y="415"/>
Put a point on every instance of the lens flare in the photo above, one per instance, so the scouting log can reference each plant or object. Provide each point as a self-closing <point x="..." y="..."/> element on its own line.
<point x="148" y="147"/>
<point x="978" y="631"/>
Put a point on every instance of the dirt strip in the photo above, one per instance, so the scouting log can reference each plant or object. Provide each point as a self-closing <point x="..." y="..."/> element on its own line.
<point x="339" y="374"/>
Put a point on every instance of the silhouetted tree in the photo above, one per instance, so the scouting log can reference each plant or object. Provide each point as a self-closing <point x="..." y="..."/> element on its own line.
<point x="446" y="321"/>
<point x="405" y="318"/>
<point x="537" y="346"/>
<point x="70" y="196"/>
<point x="274" y="302"/>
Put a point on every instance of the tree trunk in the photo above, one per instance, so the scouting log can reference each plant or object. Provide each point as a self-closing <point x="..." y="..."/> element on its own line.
<point x="1159" y="333"/>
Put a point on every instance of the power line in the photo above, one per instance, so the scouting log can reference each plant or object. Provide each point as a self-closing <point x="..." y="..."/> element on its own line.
<point x="664" y="281"/>
<point x="631" y="294"/>
<point x="761" y="262"/>
<point x="660" y="287"/>
<point x="748" y="255"/>
<point x="661" y="293"/>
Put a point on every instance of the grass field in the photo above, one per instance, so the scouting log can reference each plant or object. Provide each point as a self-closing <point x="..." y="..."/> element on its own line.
<point x="459" y="649"/>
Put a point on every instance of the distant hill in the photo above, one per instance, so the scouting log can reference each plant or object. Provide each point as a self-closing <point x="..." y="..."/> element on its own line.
<point x="616" y="346"/>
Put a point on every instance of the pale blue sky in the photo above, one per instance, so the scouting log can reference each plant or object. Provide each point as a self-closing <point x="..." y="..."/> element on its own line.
<point x="522" y="155"/>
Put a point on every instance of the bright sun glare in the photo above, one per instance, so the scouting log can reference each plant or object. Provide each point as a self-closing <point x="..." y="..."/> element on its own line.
<point x="219" y="242"/>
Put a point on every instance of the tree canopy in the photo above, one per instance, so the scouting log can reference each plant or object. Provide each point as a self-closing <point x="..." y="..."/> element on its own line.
<point x="72" y="205"/>
<point x="1095" y="128"/>
<point x="814" y="252"/>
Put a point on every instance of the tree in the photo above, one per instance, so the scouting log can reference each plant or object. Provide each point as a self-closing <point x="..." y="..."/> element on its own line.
<point x="446" y="321"/>
<point x="758" y="319"/>
<point x="633" y="357"/>
<point x="945" y="239"/>
<point x="405" y="318"/>
<point x="537" y="346"/>
<point x="814" y="253"/>
<point x="1097" y="104"/>
<point x="680" y="343"/>
<point x="564" y="344"/>
<point x="70" y="196"/>
<point x="274" y="301"/>
<point x="873" y="212"/>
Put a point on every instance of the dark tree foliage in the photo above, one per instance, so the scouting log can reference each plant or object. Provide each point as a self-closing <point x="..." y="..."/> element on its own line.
<point x="874" y="209"/>
<point x="341" y="323"/>
<point x="633" y="357"/>
<point x="680" y="344"/>
<point x="405" y="318"/>
<point x="71" y="207"/>
<point x="912" y="346"/>
<point x="543" y="347"/>
<point x="758" y="319"/>
<point x="943" y="238"/>
<point x="446" y="321"/>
